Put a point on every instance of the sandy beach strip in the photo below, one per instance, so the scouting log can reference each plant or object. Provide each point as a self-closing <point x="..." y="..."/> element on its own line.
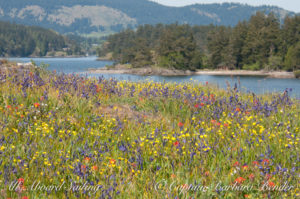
<point x="172" y="72"/>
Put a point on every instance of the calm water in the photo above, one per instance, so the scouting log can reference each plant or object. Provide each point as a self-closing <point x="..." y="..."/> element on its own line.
<point x="247" y="83"/>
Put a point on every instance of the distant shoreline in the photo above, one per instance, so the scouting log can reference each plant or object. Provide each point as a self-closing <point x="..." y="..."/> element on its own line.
<point x="71" y="56"/>
<point x="147" y="71"/>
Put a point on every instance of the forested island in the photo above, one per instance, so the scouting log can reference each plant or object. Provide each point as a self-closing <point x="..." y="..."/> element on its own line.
<point x="22" y="41"/>
<point x="261" y="43"/>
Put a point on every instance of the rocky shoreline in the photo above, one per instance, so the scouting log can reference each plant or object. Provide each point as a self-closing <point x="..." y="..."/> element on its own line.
<point x="147" y="71"/>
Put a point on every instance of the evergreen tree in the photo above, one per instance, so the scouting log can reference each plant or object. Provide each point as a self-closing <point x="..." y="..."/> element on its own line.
<point x="218" y="41"/>
<point x="257" y="44"/>
<point x="292" y="60"/>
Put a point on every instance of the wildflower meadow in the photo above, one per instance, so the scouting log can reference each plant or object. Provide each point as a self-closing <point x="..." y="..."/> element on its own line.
<point x="70" y="136"/>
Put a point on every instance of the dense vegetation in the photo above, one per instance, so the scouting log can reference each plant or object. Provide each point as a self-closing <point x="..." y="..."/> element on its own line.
<point x="260" y="43"/>
<point x="68" y="136"/>
<point x="88" y="45"/>
<point x="164" y="45"/>
<point x="19" y="40"/>
<point x="143" y="11"/>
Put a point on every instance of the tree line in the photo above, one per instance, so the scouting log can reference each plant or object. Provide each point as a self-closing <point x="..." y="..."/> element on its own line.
<point x="260" y="43"/>
<point x="20" y="40"/>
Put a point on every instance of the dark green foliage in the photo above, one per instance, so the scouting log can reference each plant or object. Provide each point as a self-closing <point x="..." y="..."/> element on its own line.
<point x="218" y="46"/>
<point x="253" y="66"/>
<point x="274" y="63"/>
<point x="177" y="48"/>
<point x="292" y="59"/>
<point x="297" y="73"/>
<point x="19" y="40"/>
<point x="291" y="31"/>
<point x="169" y="46"/>
<point x="262" y="40"/>
<point x="258" y="44"/>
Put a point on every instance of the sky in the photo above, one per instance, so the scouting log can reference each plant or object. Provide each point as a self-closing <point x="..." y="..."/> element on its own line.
<point x="292" y="5"/>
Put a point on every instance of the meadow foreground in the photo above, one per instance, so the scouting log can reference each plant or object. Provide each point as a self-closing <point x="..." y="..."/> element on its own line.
<point x="67" y="136"/>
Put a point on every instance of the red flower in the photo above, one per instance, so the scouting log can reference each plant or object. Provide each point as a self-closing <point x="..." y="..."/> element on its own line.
<point x="112" y="161"/>
<point x="213" y="121"/>
<point x="83" y="167"/>
<point x="36" y="105"/>
<point x="236" y="164"/>
<point x="266" y="161"/>
<point x="255" y="163"/>
<point x="95" y="168"/>
<point x="176" y="143"/>
<point x="196" y="105"/>
<point x="251" y="176"/>
<point x="218" y="124"/>
<point x="271" y="184"/>
<point x="25" y="197"/>
<point x="226" y="125"/>
<point x="268" y="176"/>
<point x="134" y="165"/>
<point x="87" y="159"/>
<point x="240" y="180"/>
<point x="245" y="167"/>
<point x="98" y="89"/>
<point x="180" y="124"/>
<point x="202" y="104"/>
<point x="238" y="109"/>
<point x="21" y="180"/>
<point x="206" y="82"/>
<point x="8" y="106"/>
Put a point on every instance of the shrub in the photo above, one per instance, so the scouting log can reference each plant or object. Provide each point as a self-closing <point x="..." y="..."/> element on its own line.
<point x="297" y="73"/>
<point x="255" y="66"/>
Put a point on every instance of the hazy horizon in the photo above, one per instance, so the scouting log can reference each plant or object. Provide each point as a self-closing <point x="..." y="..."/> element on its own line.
<point x="291" y="5"/>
